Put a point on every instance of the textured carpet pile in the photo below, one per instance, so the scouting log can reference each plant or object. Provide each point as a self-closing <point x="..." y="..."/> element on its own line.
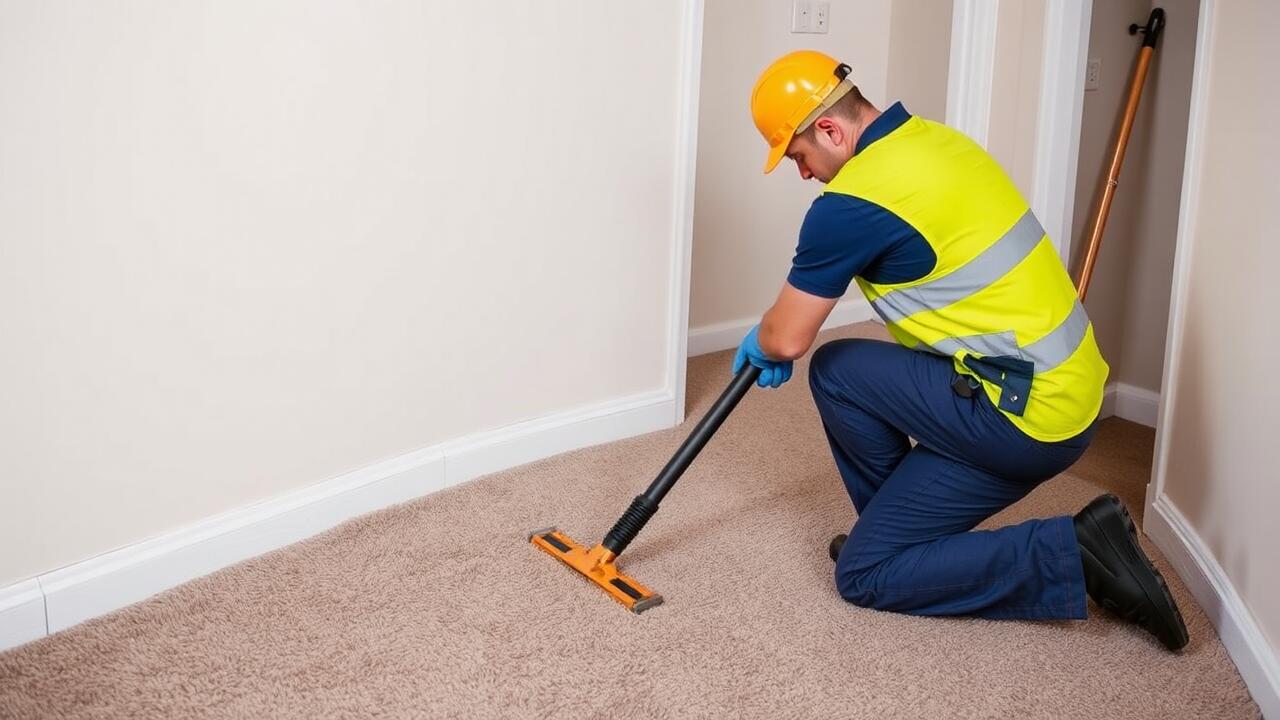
<point x="440" y="608"/>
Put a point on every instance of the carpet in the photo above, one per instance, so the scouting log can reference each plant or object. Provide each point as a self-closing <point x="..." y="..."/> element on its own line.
<point x="440" y="608"/>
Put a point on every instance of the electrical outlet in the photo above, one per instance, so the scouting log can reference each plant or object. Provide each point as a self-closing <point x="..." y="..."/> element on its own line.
<point x="1092" y="74"/>
<point x="821" y="16"/>
<point x="801" y="15"/>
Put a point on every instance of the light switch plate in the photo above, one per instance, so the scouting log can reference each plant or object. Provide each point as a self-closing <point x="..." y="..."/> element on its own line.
<point x="1092" y="73"/>
<point x="801" y="15"/>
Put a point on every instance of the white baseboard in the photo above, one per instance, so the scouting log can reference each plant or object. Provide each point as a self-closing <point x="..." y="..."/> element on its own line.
<point x="485" y="453"/>
<point x="1208" y="582"/>
<point x="96" y="586"/>
<point x="59" y="599"/>
<point x="21" y="613"/>
<point x="727" y="335"/>
<point x="1131" y="403"/>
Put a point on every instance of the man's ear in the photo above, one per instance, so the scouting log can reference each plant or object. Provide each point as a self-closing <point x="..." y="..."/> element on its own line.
<point x="832" y="129"/>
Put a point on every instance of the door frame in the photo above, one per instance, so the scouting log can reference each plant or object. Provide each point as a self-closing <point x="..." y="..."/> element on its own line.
<point x="974" y="32"/>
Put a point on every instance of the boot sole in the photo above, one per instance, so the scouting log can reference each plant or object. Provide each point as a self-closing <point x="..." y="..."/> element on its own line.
<point x="1153" y="585"/>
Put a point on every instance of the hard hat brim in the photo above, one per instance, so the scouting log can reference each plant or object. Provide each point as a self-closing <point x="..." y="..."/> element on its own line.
<point x="776" y="153"/>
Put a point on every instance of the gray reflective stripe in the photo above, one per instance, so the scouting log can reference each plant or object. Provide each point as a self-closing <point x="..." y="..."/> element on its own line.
<point x="990" y="345"/>
<point x="1046" y="353"/>
<point x="992" y="264"/>
<point x="1053" y="349"/>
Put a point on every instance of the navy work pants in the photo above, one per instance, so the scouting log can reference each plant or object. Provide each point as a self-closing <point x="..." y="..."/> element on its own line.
<point x="913" y="548"/>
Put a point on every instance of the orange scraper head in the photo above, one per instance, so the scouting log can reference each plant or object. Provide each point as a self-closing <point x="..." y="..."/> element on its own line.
<point x="597" y="566"/>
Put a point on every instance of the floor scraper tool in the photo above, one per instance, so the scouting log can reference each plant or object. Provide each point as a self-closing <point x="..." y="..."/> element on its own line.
<point x="597" y="564"/>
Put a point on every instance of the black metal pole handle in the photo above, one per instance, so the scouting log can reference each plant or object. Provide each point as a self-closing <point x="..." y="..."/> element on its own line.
<point x="1155" y="23"/>
<point x="644" y="506"/>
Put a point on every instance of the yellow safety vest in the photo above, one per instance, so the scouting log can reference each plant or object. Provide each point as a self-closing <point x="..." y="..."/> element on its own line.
<point x="999" y="301"/>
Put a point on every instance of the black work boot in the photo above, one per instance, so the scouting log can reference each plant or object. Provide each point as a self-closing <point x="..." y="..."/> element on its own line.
<point x="1120" y="577"/>
<point x="837" y="542"/>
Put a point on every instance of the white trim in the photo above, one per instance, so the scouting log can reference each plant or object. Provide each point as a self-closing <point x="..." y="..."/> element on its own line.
<point x="1066" y="50"/>
<point x="727" y="335"/>
<point x="1188" y="209"/>
<point x="972" y="66"/>
<point x="682" y="226"/>
<point x="59" y="599"/>
<point x="96" y="586"/>
<point x="1237" y="628"/>
<point x="1130" y="402"/>
<point x="490" y="452"/>
<point x="22" y="617"/>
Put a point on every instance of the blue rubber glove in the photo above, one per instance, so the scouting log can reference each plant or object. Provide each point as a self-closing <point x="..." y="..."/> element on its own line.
<point x="772" y="372"/>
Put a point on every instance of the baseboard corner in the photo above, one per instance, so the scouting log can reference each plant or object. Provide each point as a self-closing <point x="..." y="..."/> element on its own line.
<point x="1130" y="402"/>
<point x="22" y="614"/>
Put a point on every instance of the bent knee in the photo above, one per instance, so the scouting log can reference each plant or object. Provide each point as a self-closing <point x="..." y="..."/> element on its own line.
<point x="856" y="584"/>
<point x="856" y="592"/>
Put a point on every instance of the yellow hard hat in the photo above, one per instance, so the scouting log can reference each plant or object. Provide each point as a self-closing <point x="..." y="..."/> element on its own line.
<point x="791" y="93"/>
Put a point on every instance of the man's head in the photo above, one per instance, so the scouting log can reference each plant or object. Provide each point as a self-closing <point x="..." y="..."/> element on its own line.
<point x="807" y="109"/>
<point x="827" y="143"/>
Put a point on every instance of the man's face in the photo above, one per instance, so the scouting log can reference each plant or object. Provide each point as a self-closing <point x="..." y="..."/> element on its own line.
<point x="820" y="154"/>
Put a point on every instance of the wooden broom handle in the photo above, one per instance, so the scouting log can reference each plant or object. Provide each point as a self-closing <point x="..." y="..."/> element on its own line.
<point x="1152" y="31"/>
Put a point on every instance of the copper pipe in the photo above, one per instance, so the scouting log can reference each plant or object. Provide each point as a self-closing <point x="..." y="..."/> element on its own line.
<point x="1152" y="30"/>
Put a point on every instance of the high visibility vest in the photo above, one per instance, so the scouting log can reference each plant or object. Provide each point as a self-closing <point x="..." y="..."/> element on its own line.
<point x="999" y="301"/>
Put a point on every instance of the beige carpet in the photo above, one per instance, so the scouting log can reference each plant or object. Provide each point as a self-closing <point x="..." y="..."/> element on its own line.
<point x="439" y="608"/>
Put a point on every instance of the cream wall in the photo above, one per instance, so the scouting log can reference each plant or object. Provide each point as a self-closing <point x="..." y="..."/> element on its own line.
<point x="919" y="56"/>
<point x="746" y="223"/>
<point x="1221" y="470"/>
<point x="1129" y="295"/>
<point x="247" y="246"/>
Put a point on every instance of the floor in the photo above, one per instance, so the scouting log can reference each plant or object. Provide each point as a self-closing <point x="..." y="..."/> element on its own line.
<point x="439" y="608"/>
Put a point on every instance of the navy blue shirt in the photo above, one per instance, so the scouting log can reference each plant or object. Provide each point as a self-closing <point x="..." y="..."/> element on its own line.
<point x="844" y="236"/>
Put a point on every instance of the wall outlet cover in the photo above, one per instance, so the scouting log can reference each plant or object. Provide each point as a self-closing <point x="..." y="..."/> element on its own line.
<point x="1092" y="74"/>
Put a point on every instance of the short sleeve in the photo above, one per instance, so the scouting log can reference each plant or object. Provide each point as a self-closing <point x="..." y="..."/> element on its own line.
<point x="845" y="236"/>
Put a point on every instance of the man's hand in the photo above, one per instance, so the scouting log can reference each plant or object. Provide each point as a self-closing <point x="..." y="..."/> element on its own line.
<point x="772" y="372"/>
